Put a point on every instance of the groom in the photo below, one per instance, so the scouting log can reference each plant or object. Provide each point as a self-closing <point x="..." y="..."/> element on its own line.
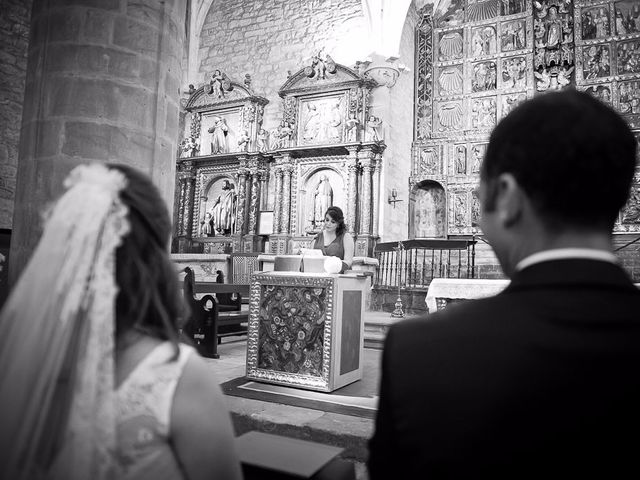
<point x="542" y="380"/>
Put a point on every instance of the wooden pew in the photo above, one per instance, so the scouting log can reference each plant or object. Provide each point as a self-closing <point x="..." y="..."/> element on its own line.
<point x="209" y="322"/>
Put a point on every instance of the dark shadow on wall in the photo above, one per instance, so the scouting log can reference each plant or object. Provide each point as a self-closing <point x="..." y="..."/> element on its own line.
<point x="5" y="241"/>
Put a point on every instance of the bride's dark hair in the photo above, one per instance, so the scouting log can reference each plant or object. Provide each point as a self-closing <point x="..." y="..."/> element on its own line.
<point x="148" y="299"/>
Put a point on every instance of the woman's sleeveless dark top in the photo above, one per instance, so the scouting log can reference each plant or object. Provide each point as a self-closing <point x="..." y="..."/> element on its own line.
<point x="334" y="249"/>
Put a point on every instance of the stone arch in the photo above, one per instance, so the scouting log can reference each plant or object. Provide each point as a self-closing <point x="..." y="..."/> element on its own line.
<point x="307" y="194"/>
<point x="427" y="210"/>
<point x="198" y="14"/>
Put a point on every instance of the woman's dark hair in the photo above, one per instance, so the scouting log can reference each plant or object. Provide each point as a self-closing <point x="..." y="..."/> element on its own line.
<point x="148" y="299"/>
<point x="336" y="214"/>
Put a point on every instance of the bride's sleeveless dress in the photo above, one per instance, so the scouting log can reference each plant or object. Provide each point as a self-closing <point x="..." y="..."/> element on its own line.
<point x="144" y="401"/>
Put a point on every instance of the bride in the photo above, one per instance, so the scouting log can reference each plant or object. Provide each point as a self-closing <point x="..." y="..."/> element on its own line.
<point x="95" y="384"/>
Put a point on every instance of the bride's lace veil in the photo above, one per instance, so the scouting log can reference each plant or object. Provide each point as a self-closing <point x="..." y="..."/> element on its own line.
<point x="57" y="336"/>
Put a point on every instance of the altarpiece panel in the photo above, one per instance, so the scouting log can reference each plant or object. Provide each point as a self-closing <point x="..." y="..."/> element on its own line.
<point x="478" y="59"/>
<point x="325" y="151"/>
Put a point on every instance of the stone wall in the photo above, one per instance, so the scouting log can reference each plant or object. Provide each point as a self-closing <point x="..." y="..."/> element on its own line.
<point x="269" y="38"/>
<point x="398" y="131"/>
<point x="14" y="40"/>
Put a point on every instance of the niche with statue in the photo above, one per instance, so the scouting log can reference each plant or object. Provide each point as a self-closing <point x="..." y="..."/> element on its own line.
<point x="427" y="211"/>
<point x="222" y="168"/>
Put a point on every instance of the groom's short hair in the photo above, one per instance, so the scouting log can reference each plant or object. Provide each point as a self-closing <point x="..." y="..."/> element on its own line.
<point x="573" y="156"/>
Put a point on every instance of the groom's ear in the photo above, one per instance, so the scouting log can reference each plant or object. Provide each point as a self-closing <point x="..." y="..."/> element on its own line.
<point x="510" y="200"/>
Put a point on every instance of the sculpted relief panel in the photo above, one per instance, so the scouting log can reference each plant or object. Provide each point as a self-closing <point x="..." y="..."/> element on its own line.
<point x="489" y="56"/>
<point x="321" y="120"/>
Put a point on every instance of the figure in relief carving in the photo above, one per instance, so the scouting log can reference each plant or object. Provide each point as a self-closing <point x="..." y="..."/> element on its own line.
<point x="602" y="23"/>
<point x="281" y="136"/>
<point x="219" y="132"/>
<point x="509" y="102"/>
<point x="629" y="57"/>
<point x="475" y="211"/>
<point x="312" y="125"/>
<point x="206" y="226"/>
<point x="352" y="128"/>
<point x="461" y="160"/>
<point x="188" y="147"/>
<point x="223" y="210"/>
<point x="285" y="134"/>
<point x="477" y="43"/>
<point x="243" y="141"/>
<point x="631" y="212"/>
<point x="459" y="211"/>
<point x="477" y="152"/>
<point x="322" y="199"/>
<point x="218" y="84"/>
<point x="263" y="140"/>
<point x="374" y="126"/>
<point x="319" y="67"/>
<point x="334" y="122"/>
<point x="544" y="80"/>
<point x="588" y="26"/>
<point x="554" y="28"/>
<point x="564" y="76"/>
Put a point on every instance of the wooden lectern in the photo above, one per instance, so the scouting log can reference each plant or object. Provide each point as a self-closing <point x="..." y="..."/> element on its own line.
<point x="306" y="329"/>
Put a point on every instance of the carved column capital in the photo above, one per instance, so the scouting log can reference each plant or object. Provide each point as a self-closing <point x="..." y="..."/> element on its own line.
<point x="384" y="73"/>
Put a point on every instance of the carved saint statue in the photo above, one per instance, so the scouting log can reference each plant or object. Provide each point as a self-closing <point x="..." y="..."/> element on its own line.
<point x="188" y="147"/>
<point x="322" y="199"/>
<point x="263" y="140"/>
<point x="461" y="160"/>
<point x="352" y="128"/>
<point x="243" y="141"/>
<point x="312" y="123"/>
<point x="223" y="210"/>
<point x="219" y="137"/>
<point x="373" y="128"/>
<point x="206" y="226"/>
<point x="334" y="121"/>
<point x="217" y="83"/>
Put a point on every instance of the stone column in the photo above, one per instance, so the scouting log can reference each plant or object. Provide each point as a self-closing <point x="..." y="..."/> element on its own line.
<point x="253" y="204"/>
<point x="286" y="201"/>
<point x="277" y="201"/>
<point x="352" y="190"/>
<point x="252" y="241"/>
<point x="102" y="85"/>
<point x="366" y="204"/>
<point x="242" y="200"/>
<point x="377" y="165"/>
<point x="184" y="226"/>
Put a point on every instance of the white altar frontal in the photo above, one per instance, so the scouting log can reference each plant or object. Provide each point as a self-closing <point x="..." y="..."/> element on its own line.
<point x="306" y="329"/>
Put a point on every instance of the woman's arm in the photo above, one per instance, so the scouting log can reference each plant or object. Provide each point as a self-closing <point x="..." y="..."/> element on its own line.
<point x="347" y="241"/>
<point x="201" y="431"/>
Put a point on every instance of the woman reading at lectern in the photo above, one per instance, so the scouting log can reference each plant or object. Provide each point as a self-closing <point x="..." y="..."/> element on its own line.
<point x="334" y="240"/>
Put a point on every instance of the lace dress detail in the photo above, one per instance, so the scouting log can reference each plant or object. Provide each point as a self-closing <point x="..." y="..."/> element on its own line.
<point x="144" y="402"/>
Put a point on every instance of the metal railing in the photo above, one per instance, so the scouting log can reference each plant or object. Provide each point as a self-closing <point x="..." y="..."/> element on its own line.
<point x="414" y="263"/>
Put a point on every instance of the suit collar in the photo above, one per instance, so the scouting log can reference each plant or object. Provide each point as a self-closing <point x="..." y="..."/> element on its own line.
<point x="571" y="271"/>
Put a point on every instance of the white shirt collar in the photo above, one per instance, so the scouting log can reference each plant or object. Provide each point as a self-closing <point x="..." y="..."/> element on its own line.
<point x="564" y="253"/>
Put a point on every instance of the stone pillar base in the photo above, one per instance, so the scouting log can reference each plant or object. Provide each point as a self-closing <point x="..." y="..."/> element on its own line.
<point x="253" y="243"/>
<point x="184" y="245"/>
<point x="236" y="244"/>
<point x="279" y="243"/>
<point x="364" y="244"/>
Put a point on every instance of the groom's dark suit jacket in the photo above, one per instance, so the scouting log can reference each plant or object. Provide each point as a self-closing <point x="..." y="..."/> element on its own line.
<point x="540" y="380"/>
